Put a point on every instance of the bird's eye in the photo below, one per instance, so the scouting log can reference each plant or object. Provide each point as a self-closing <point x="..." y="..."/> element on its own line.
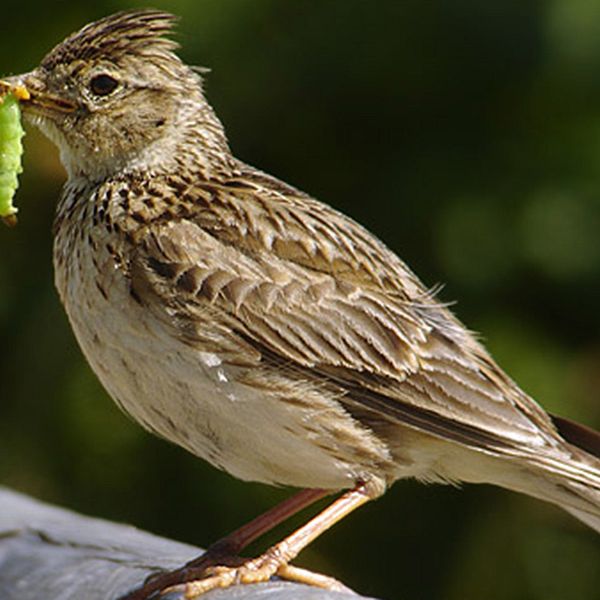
<point x="103" y="85"/>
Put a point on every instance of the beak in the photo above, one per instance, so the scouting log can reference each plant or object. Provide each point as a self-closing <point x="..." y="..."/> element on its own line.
<point x="32" y="94"/>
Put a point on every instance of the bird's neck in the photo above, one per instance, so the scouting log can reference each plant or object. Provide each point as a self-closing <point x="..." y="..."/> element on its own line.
<point x="195" y="144"/>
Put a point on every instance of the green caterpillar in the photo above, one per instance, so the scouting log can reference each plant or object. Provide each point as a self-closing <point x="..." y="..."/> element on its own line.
<point x="11" y="150"/>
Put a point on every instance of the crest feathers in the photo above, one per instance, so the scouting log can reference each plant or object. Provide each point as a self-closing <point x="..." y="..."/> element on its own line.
<point x="140" y="32"/>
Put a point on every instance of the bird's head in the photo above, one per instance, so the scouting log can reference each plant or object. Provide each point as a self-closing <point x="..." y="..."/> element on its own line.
<point x="114" y="96"/>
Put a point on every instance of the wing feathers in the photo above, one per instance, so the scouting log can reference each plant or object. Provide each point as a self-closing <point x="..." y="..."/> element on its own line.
<point x="360" y="336"/>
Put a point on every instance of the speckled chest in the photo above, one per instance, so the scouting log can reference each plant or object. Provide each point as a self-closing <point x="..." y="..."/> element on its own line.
<point x="149" y="374"/>
<point x="87" y="251"/>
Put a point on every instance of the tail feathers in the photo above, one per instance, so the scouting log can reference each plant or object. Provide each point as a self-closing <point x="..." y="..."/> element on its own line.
<point x="577" y="493"/>
<point x="590" y="520"/>
<point x="571" y="481"/>
<point x="582" y="501"/>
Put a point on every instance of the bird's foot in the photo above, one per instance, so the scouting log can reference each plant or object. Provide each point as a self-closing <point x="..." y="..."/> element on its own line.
<point x="257" y="570"/>
<point x="203" y="575"/>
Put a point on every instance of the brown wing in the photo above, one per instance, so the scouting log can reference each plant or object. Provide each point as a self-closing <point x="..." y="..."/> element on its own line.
<point x="287" y="280"/>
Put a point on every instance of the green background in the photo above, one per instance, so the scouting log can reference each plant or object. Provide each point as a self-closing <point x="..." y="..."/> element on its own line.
<point x="466" y="134"/>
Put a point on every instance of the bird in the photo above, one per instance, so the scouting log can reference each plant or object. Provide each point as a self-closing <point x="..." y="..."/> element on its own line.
<point x="257" y="327"/>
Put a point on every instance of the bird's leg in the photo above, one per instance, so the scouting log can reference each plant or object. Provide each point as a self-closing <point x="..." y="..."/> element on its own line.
<point x="237" y="540"/>
<point x="275" y="560"/>
<point x="226" y="549"/>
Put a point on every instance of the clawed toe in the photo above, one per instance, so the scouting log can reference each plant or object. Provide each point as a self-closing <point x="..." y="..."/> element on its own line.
<point x="251" y="571"/>
<point x="258" y="570"/>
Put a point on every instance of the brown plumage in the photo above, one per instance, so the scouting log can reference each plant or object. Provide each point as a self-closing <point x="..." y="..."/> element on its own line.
<point x="255" y="326"/>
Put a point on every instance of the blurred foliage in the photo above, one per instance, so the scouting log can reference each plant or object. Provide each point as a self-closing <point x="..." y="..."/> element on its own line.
<point x="466" y="134"/>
